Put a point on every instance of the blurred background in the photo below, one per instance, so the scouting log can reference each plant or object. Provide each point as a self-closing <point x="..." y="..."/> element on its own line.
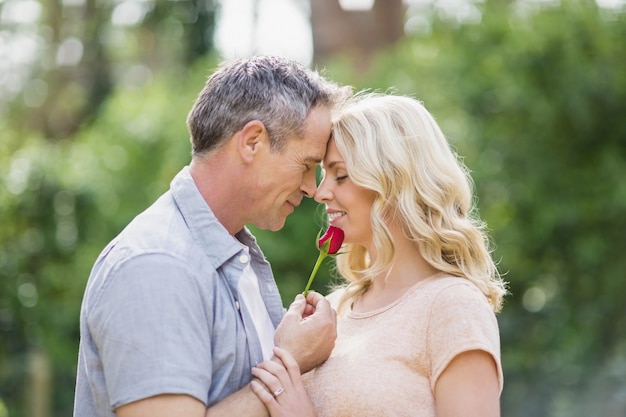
<point x="93" y="100"/>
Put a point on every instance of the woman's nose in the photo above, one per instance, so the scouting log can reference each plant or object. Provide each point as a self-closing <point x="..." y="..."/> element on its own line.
<point x="323" y="192"/>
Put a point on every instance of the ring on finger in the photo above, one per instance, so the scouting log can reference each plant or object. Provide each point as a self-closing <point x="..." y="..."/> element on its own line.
<point x="278" y="391"/>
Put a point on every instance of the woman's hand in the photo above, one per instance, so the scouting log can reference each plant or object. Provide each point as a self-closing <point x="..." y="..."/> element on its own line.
<point x="279" y="386"/>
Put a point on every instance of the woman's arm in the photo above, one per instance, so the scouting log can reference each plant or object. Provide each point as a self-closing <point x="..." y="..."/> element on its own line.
<point x="469" y="387"/>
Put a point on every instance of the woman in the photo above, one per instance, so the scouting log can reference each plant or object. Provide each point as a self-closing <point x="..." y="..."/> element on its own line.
<point x="417" y="333"/>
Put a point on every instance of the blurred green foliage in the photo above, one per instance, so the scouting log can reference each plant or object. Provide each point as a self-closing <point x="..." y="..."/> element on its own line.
<point x="534" y="101"/>
<point x="60" y="202"/>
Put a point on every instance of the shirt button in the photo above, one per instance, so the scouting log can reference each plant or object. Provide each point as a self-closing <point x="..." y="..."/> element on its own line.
<point x="243" y="259"/>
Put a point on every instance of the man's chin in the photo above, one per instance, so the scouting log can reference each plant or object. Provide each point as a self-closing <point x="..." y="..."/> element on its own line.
<point x="277" y="222"/>
<point x="274" y="226"/>
<point x="279" y="225"/>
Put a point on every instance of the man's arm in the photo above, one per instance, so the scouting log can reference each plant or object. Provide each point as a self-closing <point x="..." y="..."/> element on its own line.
<point x="166" y="405"/>
<point x="307" y="331"/>
<point x="242" y="403"/>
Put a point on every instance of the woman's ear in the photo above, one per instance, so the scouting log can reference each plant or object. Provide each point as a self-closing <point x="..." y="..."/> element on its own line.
<point x="252" y="137"/>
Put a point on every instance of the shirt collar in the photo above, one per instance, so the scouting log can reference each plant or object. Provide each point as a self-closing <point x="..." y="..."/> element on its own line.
<point x="211" y="235"/>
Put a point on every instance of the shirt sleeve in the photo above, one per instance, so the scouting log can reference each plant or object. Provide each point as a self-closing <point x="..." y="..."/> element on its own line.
<point x="461" y="320"/>
<point x="152" y="330"/>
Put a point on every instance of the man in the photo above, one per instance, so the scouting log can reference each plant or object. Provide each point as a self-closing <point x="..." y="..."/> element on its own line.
<point x="182" y="304"/>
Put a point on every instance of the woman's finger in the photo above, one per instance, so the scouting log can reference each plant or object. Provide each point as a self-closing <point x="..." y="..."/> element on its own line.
<point x="276" y="368"/>
<point x="292" y="367"/>
<point x="266" y="398"/>
<point x="272" y="383"/>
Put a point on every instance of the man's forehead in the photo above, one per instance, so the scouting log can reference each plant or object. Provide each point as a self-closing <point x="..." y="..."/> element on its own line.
<point x="313" y="149"/>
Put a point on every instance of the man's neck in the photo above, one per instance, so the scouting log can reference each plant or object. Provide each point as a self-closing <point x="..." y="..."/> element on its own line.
<point x="214" y="176"/>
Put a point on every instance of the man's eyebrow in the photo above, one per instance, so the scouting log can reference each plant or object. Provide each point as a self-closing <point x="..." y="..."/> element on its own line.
<point x="333" y="163"/>
<point x="314" y="160"/>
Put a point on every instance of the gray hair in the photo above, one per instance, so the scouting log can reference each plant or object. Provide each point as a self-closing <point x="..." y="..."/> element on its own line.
<point x="277" y="91"/>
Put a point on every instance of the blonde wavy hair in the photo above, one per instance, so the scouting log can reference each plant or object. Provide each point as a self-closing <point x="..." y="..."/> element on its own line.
<point x="392" y="145"/>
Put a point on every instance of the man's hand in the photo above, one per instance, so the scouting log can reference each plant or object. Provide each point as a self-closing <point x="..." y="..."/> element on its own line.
<point x="308" y="330"/>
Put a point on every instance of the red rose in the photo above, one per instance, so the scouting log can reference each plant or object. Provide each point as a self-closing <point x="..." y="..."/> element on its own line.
<point x="329" y="244"/>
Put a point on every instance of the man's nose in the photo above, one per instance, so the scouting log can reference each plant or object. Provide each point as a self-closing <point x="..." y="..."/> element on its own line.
<point x="309" y="184"/>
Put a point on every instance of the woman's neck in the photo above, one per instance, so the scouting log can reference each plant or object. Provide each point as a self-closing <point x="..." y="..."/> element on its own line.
<point x="407" y="269"/>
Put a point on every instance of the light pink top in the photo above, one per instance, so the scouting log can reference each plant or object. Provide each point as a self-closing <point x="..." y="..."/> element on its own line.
<point x="386" y="362"/>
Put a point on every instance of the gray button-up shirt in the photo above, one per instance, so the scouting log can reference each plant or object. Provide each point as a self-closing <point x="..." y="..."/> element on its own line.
<point x="161" y="314"/>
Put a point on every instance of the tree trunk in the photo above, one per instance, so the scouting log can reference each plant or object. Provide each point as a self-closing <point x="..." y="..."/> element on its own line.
<point x="39" y="390"/>
<point x="357" y="34"/>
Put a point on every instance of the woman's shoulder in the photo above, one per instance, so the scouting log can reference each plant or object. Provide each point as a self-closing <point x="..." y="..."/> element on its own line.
<point x="449" y="289"/>
<point x="449" y="283"/>
<point x="454" y="293"/>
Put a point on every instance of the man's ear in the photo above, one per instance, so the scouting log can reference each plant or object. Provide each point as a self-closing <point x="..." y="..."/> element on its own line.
<point x="252" y="137"/>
